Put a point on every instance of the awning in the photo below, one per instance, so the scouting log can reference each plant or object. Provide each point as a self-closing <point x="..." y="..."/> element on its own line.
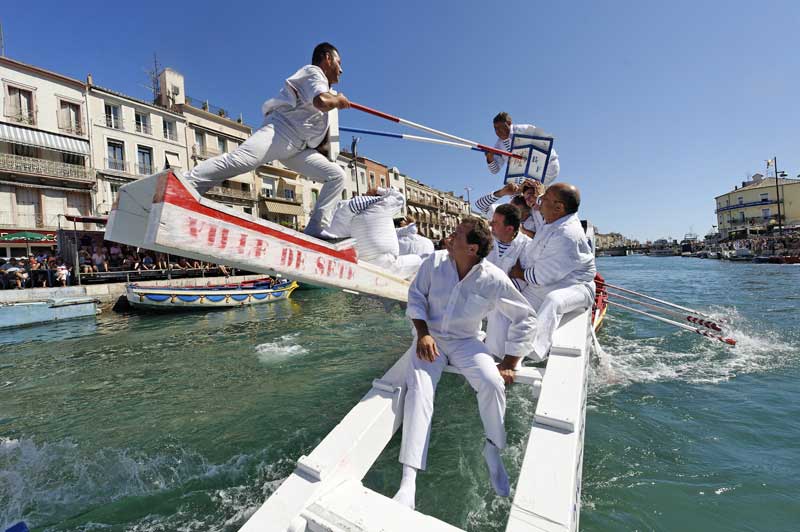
<point x="87" y="219"/>
<point x="292" y="182"/>
<point x="31" y="137"/>
<point x="173" y="161"/>
<point x="46" y="187"/>
<point x="277" y="207"/>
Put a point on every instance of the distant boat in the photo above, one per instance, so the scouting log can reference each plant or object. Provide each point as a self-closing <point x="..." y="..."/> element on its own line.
<point x="662" y="248"/>
<point x="204" y="297"/>
<point x="41" y="311"/>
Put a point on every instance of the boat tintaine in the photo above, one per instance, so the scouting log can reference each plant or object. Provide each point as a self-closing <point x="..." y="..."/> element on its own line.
<point x="324" y="493"/>
<point x="206" y="297"/>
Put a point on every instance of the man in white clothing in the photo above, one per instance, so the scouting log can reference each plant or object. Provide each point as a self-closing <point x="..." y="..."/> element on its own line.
<point x="411" y="242"/>
<point x="530" y="218"/>
<point x="451" y="294"/>
<point x="558" y="266"/>
<point x="346" y="210"/>
<point x="295" y="127"/>
<point x="504" y="129"/>
<point x="376" y="238"/>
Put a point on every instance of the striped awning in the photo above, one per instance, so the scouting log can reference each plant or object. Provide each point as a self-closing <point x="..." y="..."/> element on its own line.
<point x="277" y="207"/>
<point x="32" y="137"/>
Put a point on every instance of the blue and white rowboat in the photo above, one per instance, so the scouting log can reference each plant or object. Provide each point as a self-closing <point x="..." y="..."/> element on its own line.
<point x="173" y="297"/>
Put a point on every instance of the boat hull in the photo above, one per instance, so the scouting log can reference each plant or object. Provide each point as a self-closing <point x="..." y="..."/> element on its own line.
<point x="176" y="298"/>
<point x="33" y="312"/>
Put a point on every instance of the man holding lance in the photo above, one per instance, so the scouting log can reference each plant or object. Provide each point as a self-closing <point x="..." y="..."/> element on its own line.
<point x="295" y="127"/>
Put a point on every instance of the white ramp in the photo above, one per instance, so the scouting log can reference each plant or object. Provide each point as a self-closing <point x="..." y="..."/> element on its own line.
<point x="163" y="213"/>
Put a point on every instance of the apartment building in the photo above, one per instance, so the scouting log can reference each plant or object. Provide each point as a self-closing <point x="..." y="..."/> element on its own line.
<point x="45" y="163"/>
<point x="753" y="206"/>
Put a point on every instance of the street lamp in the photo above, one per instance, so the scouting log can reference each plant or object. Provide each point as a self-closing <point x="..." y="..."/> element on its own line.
<point x="778" y="176"/>
<point x="468" y="201"/>
<point x="354" y="162"/>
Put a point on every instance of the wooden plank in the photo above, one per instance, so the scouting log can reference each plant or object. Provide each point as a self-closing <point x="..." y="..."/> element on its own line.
<point x="352" y="507"/>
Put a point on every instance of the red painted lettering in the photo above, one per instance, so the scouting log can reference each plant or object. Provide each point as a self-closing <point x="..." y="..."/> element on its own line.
<point x="320" y="266"/>
<point x="223" y="241"/>
<point x="242" y="242"/>
<point x="212" y="235"/>
<point x="194" y="230"/>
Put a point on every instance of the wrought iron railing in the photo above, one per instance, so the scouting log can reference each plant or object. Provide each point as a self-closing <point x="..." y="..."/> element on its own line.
<point x="32" y="165"/>
<point x="144" y="169"/>
<point x="22" y="117"/>
<point x="118" y="165"/>
<point x="73" y="128"/>
<point x="141" y="127"/>
<point x="233" y="193"/>
<point x="114" y="122"/>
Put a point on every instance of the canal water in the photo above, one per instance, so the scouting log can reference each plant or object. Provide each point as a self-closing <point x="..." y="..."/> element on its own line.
<point x="187" y="422"/>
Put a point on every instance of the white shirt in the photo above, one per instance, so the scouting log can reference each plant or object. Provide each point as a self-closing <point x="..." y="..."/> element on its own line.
<point x="344" y="212"/>
<point x="454" y="309"/>
<point x="553" y="167"/>
<point x="534" y="222"/>
<point x="507" y="260"/>
<point x="293" y="108"/>
<point x="558" y="257"/>
<point x="412" y="243"/>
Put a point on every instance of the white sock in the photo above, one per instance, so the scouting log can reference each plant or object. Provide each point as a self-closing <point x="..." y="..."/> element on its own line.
<point x="497" y="472"/>
<point x="406" y="495"/>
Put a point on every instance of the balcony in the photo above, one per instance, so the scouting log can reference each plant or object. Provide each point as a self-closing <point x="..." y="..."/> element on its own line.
<point x="22" y="117"/>
<point x="72" y="128"/>
<point x="144" y="169"/>
<point x="171" y="134"/>
<point x="246" y="195"/>
<point x="204" y="152"/>
<point x="43" y="167"/>
<point x="143" y="128"/>
<point x="112" y="121"/>
<point x="745" y="205"/>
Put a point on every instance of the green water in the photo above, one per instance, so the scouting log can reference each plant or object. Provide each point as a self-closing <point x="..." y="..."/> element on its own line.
<point x="188" y="422"/>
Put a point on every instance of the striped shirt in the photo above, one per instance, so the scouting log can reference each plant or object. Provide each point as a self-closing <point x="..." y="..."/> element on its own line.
<point x="499" y="160"/>
<point x="502" y="247"/>
<point x="484" y="203"/>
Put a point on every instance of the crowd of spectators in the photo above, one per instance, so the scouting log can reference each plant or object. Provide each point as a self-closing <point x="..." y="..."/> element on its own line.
<point x="788" y="245"/>
<point x="100" y="261"/>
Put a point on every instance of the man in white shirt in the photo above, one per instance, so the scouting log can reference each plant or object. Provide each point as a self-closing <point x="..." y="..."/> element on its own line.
<point x="451" y="294"/>
<point x="504" y="129"/>
<point x="558" y="266"/>
<point x="295" y="126"/>
<point x="411" y="242"/>
<point x="376" y="237"/>
<point x="345" y="211"/>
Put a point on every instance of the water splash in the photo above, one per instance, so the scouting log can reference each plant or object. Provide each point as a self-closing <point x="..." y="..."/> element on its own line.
<point x="285" y="347"/>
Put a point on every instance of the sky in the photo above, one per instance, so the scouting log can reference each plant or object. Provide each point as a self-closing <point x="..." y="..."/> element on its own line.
<point x="656" y="107"/>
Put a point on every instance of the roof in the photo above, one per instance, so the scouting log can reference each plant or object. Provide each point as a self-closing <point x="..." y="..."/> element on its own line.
<point x="42" y="71"/>
<point x="765" y="183"/>
<point x="137" y="100"/>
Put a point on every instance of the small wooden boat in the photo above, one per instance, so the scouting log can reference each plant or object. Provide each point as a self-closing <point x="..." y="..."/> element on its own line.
<point x="600" y="302"/>
<point x="204" y="297"/>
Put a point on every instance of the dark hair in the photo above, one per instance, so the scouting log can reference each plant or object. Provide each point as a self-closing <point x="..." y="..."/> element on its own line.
<point x="320" y="51"/>
<point x="570" y="197"/>
<point x="519" y="202"/>
<point x="501" y="117"/>
<point x="510" y="213"/>
<point x="480" y="234"/>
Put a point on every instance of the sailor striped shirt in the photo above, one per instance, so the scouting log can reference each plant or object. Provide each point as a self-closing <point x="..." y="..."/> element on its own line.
<point x="484" y="203"/>
<point x="502" y="247"/>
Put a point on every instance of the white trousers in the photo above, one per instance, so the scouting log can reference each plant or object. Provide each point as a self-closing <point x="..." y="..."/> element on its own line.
<point x="268" y="145"/>
<point x="478" y="367"/>
<point x="550" y="309"/>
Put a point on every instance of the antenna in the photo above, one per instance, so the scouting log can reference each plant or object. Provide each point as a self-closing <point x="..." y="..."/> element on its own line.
<point x="153" y="85"/>
<point x="2" y="42"/>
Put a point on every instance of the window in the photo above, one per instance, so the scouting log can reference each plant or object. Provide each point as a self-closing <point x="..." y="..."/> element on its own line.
<point x="170" y="131"/>
<point x="248" y="210"/>
<point x="765" y="214"/>
<point x="24" y="150"/>
<point x="113" y="116"/>
<point x="114" y="187"/>
<point x="245" y="187"/>
<point x="173" y="160"/>
<point x="383" y="181"/>
<point x="764" y="196"/>
<point x="143" y="123"/>
<point x="314" y="197"/>
<point x="395" y="177"/>
<point x="221" y="145"/>
<point x="344" y="194"/>
<point x="73" y="158"/>
<point x="144" y="160"/>
<point x="19" y="106"/>
<point x="741" y="216"/>
<point x="288" y="193"/>
<point x="200" y="141"/>
<point x="363" y="178"/>
<point x="69" y="117"/>
<point x="372" y="179"/>
<point x="741" y="200"/>
<point x="116" y="155"/>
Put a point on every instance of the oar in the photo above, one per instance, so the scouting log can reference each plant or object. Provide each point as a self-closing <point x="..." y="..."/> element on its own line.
<point x="729" y="341"/>
<point x="409" y="137"/>
<point x="673" y="305"/>
<point x="470" y="143"/>
<point x="691" y="319"/>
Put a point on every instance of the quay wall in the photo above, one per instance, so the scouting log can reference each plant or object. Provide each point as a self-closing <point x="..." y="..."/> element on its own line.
<point x="109" y="293"/>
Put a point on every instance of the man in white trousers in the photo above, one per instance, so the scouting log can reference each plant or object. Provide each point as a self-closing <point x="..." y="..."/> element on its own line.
<point x="558" y="265"/>
<point x="451" y="294"/>
<point x="295" y="125"/>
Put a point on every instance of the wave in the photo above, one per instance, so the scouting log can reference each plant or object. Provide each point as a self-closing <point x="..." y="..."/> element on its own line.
<point x="688" y="357"/>
<point x="284" y="347"/>
<point x="48" y="484"/>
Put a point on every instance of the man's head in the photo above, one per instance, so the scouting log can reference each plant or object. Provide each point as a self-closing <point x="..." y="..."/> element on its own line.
<point x="326" y="57"/>
<point x="505" y="223"/>
<point x="471" y="241"/>
<point x="531" y="190"/>
<point x="519" y="202"/>
<point x="561" y="199"/>
<point x="502" y="125"/>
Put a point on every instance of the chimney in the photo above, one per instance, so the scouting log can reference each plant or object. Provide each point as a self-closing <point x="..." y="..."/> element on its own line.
<point x="89" y="79"/>
<point x="172" y="89"/>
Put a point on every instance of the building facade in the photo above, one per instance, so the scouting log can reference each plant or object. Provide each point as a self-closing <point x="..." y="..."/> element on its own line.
<point x="210" y="132"/>
<point x="130" y="139"/>
<point x="437" y="213"/>
<point x="752" y="208"/>
<point x="45" y="163"/>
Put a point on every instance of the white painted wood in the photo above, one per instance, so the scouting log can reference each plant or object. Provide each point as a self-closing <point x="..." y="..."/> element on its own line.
<point x="163" y="213"/>
<point x="353" y="507"/>
<point x="570" y="338"/>
<point x="547" y="497"/>
<point x="524" y="375"/>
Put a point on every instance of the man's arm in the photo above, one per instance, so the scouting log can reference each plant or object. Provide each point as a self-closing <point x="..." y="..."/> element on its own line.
<point x="426" y="345"/>
<point x="484" y="203"/>
<point x="327" y="101"/>
<point x="417" y="310"/>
